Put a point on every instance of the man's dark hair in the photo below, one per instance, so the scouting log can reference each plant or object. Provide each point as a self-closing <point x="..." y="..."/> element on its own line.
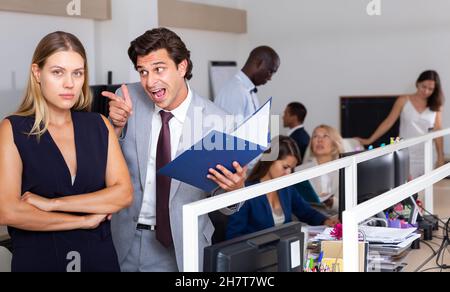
<point x="161" y="38"/>
<point x="299" y="110"/>
<point x="265" y="53"/>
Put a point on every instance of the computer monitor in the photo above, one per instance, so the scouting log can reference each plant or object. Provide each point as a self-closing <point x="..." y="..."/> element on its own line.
<point x="402" y="171"/>
<point x="390" y="171"/>
<point x="375" y="177"/>
<point x="277" y="249"/>
<point x="402" y="176"/>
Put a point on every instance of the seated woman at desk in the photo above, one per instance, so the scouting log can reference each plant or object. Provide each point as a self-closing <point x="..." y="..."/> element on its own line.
<point x="326" y="145"/>
<point x="275" y="208"/>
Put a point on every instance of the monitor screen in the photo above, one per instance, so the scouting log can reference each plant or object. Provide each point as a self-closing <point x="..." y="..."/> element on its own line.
<point x="378" y="176"/>
<point x="402" y="176"/>
<point x="402" y="172"/>
<point x="375" y="177"/>
<point x="278" y="249"/>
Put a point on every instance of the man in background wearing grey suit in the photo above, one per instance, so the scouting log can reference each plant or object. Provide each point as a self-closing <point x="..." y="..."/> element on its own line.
<point x="154" y="120"/>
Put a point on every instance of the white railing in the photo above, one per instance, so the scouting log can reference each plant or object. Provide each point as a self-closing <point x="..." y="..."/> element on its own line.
<point x="358" y="214"/>
<point x="352" y="216"/>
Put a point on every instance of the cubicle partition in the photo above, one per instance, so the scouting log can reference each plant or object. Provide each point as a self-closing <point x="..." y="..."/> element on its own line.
<point x="352" y="216"/>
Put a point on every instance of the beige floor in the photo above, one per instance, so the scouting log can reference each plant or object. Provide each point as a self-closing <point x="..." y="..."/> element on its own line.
<point x="442" y="209"/>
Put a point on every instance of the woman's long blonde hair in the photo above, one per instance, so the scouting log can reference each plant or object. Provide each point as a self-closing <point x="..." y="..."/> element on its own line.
<point x="34" y="103"/>
<point x="335" y="137"/>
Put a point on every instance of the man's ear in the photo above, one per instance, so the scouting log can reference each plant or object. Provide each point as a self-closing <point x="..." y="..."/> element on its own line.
<point x="36" y="72"/>
<point x="182" y="68"/>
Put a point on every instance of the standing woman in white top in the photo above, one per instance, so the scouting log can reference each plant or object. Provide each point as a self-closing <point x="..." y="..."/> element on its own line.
<point x="419" y="114"/>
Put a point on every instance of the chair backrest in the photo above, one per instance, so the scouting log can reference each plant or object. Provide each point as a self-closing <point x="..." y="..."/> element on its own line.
<point x="5" y="260"/>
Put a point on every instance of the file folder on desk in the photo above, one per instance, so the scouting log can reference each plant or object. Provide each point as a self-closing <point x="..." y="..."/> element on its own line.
<point x="243" y="145"/>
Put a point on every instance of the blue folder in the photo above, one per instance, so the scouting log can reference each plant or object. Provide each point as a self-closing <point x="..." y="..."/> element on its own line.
<point x="192" y="166"/>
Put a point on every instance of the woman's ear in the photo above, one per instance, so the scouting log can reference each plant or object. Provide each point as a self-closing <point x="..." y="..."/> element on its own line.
<point x="36" y="72"/>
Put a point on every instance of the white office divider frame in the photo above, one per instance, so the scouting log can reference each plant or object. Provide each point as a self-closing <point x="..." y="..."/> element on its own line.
<point x="352" y="216"/>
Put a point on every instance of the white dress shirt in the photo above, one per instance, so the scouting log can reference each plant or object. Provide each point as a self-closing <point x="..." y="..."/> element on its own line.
<point x="148" y="210"/>
<point x="237" y="97"/>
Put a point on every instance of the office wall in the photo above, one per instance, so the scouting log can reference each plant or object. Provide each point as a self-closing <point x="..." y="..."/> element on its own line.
<point x="333" y="48"/>
<point x="106" y="43"/>
<point x="19" y="35"/>
<point x="328" y="48"/>
<point x="113" y="37"/>
<point x="207" y="46"/>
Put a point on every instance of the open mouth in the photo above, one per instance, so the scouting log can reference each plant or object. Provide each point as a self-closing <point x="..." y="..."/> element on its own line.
<point x="159" y="94"/>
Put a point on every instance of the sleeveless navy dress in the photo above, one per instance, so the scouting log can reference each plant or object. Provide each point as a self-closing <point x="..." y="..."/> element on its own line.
<point x="46" y="174"/>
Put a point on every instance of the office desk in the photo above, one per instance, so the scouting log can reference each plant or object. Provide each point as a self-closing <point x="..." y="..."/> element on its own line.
<point x="442" y="208"/>
<point x="416" y="258"/>
<point x="3" y="234"/>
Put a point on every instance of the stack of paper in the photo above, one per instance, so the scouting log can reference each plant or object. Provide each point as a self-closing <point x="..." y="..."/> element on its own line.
<point x="377" y="235"/>
<point x="386" y="235"/>
<point x="394" y="249"/>
<point x="383" y="263"/>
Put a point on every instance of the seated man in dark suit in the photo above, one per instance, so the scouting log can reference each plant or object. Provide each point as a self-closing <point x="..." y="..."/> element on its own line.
<point x="294" y="117"/>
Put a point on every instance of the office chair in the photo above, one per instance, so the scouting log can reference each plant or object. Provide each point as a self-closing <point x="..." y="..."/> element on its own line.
<point x="220" y="222"/>
<point x="100" y="104"/>
<point x="5" y="260"/>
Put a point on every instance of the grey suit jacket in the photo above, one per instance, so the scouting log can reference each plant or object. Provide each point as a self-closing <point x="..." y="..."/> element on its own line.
<point x="135" y="143"/>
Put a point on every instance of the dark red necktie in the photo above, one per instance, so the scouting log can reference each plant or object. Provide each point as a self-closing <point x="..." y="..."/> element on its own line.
<point x="163" y="157"/>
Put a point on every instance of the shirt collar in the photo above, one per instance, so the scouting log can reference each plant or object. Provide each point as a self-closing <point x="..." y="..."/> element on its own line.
<point x="180" y="113"/>
<point x="248" y="84"/>
<point x="291" y="131"/>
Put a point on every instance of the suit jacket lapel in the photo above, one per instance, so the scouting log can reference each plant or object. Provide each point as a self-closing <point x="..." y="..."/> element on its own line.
<point x="144" y="116"/>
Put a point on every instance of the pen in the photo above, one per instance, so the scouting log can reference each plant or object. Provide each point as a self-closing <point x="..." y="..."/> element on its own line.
<point x="311" y="264"/>
<point x="319" y="262"/>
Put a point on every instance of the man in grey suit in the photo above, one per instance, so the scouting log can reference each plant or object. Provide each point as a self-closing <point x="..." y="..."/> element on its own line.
<point x="156" y="120"/>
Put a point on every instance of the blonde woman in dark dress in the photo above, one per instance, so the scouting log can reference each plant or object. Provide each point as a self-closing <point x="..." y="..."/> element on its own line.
<point x="62" y="173"/>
